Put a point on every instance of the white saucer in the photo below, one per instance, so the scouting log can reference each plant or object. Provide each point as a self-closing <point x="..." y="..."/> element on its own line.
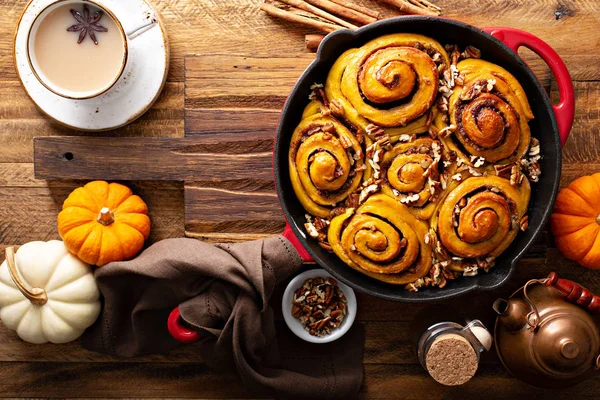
<point x="131" y="96"/>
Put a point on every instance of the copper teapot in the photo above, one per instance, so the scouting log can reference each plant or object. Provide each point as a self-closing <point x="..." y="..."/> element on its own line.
<point x="545" y="333"/>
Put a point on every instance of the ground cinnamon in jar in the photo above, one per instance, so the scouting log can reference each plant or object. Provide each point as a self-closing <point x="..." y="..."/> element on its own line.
<point x="451" y="360"/>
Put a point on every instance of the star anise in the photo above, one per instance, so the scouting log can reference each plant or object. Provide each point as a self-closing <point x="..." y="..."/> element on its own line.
<point x="88" y="24"/>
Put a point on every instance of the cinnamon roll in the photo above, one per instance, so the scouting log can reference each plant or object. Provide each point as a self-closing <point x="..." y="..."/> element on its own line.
<point x="393" y="80"/>
<point x="326" y="163"/>
<point x="479" y="218"/>
<point x="390" y="81"/>
<point x="410" y="174"/>
<point x="489" y="114"/>
<point x="382" y="239"/>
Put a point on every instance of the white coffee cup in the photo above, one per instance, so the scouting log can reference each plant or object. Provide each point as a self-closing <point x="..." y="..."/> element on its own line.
<point x="38" y="71"/>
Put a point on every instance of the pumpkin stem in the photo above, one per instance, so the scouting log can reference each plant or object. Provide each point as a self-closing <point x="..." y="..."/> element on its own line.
<point x="598" y="219"/>
<point x="105" y="216"/>
<point x="36" y="296"/>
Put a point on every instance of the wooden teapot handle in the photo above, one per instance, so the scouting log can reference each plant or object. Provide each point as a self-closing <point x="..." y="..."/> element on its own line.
<point x="574" y="293"/>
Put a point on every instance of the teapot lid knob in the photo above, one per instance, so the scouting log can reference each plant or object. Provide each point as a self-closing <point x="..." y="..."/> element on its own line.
<point x="569" y="349"/>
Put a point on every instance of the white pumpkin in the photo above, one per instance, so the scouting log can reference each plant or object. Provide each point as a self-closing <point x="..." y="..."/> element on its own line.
<point x="46" y="293"/>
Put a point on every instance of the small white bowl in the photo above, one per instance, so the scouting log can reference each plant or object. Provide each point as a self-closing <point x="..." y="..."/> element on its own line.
<point x="294" y="323"/>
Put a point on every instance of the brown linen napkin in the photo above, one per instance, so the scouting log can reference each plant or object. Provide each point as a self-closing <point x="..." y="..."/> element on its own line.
<point x="223" y="291"/>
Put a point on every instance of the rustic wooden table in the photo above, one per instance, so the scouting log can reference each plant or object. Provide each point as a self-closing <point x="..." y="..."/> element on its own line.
<point x="28" y="207"/>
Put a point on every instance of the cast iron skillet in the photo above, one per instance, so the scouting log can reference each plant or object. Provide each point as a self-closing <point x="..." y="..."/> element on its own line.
<point x="551" y="126"/>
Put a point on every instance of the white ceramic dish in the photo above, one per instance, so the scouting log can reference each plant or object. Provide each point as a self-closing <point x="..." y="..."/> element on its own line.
<point x="294" y="323"/>
<point x="136" y="90"/>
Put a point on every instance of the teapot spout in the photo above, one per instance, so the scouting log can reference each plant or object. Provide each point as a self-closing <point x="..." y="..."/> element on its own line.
<point x="500" y="306"/>
<point x="512" y="313"/>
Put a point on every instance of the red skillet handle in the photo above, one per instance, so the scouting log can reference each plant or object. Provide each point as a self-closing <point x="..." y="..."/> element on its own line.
<point x="565" y="110"/>
<point x="178" y="331"/>
<point x="574" y="293"/>
<point x="288" y="233"/>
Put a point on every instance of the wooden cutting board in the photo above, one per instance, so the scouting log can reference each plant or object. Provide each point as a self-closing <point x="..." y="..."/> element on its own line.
<point x="232" y="107"/>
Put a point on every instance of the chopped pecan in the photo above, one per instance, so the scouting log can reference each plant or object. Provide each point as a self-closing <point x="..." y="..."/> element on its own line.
<point x="454" y="56"/>
<point x="515" y="175"/>
<point x="329" y="128"/>
<point x="471" y="52"/>
<point x="322" y="97"/>
<point x="471" y="270"/>
<point x="311" y="230"/>
<point x="346" y="143"/>
<point x="441" y="251"/>
<point x="313" y="130"/>
<point x="337" y="211"/>
<point x="320" y="223"/>
<point x="296" y="310"/>
<point x="448" y="274"/>
<point x="366" y="192"/>
<point x="326" y="246"/>
<point x="472" y="92"/>
<point x="444" y="181"/>
<point x="374" y="131"/>
<point x="524" y="223"/>
<point x="352" y="200"/>
<point x="447" y="131"/>
<point x="336" y="108"/>
<point x="503" y="171"/>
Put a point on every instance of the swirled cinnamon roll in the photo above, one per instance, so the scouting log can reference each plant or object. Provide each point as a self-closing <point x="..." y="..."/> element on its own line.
<point x="489" y="114"/>
<point x="382" y="239"/>
<point x="390" y="81"/>
<point x="410" y="173"/>
<point x="480" y="217"/>
<point x="326" y="163"/>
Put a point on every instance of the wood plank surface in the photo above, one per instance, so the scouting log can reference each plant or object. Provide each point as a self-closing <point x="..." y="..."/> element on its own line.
<point x="157" y="159"/>
<point x="214" y="29"/>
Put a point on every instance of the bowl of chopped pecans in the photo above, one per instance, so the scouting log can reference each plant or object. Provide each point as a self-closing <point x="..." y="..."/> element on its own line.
<point x="317" y="308"/>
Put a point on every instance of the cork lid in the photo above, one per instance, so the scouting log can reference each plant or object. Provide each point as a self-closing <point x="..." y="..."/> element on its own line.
<point x="451" y="360"/>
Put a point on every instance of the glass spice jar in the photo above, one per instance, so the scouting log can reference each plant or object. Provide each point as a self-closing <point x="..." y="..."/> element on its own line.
<point x="450" y="352"/>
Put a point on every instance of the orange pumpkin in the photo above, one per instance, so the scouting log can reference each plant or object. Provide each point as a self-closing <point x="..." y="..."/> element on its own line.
<point x="576" y="221"/>
<point x="102" y="223"/>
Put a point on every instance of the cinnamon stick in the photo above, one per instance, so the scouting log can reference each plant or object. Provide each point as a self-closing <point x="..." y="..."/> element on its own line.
<point x="342" y="11"/>
<point x="303" y="5"/>
<point x="426" y="4"/>
<point x="313" y="41"/>
<point x="409" y="6"/>
<point x="359" y="8"/>
<point x="303" y="19"/>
